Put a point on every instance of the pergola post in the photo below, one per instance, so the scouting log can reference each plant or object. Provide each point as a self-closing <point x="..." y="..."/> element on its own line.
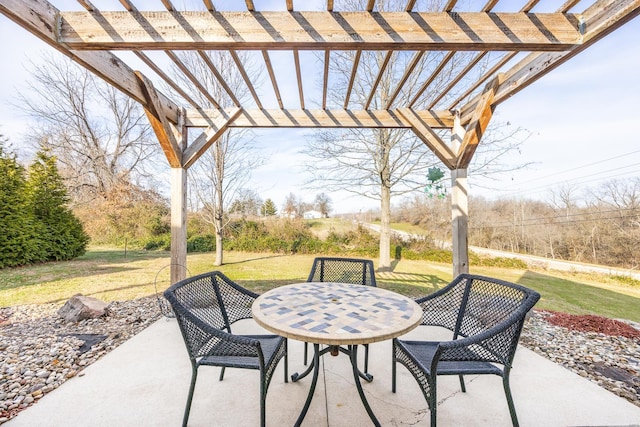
<point x="178" y="224"/>
<point x="459" y="206"/>
<point x="459" y="221"/>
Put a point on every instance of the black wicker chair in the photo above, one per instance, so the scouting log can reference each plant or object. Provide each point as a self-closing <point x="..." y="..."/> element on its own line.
<point x="343" y="270"/>
<point x="486" y="316"/>
<point x="205" y="307"/>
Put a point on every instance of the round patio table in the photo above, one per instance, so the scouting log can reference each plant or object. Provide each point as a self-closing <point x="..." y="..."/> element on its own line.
<point x="335" y="314"/>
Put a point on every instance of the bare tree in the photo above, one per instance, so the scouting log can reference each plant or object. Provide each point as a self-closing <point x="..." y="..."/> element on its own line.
<point x="564" y="198"/>
<point x="322" y="204"/>
<point x="218" y="176"/>
<point x="617" y="206"/>
<point x="247" y="203"/>
<point x="291" y="205"/>
<point x="383" y="163"/>
<point x="100" y="136"/>
<point x="375" y="163"/>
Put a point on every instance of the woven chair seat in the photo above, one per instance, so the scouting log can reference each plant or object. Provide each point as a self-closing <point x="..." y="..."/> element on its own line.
<point x="270" y="345"/>
<point x="424" y="353"/>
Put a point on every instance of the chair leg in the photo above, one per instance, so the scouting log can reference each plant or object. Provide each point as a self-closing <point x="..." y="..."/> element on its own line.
<point x="222" y="373"/>
<point x="433" y="400"/>
<point x="263" y="400"/>
<point x="286" y="360"/>
<point x="187" y="409"/>
<point x="464" y="390"/>
<point x="507" y="392"/>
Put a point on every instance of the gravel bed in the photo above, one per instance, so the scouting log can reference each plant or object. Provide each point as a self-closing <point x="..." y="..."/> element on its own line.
<point x="612" y="362"/>
<point x="39" y="351"/>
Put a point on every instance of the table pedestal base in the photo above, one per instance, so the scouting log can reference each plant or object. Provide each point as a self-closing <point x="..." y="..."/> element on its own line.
<point x="334" y="350"/>
<point x="315" y="366"/>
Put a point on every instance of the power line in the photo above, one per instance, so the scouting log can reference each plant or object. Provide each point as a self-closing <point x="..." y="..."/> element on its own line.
<point x="583" y="166"/>
<point x="542" y="188"/>
<point x="563" y="223"/>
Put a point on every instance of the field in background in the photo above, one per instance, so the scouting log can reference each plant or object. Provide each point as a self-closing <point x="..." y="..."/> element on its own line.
<point x="106" y="273"/>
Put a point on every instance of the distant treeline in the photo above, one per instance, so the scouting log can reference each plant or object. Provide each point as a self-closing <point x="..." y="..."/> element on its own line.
<point x="602" y="226"/>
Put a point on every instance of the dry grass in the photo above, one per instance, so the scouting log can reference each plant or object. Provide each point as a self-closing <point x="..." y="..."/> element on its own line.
<point x="107" y="274"/>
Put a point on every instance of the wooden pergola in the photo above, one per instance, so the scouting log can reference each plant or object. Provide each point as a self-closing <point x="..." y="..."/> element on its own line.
<point x="527" y="41"/>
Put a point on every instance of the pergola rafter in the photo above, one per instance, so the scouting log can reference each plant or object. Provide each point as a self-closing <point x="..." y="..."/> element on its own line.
<point x="488" y="42"/>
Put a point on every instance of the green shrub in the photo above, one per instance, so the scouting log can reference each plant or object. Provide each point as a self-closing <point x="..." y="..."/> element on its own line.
<point x="154" y="243"/>
<point x="626" y="280"/>
<point x="499" y="262"/>
<point x="434" y="255"/>
<point x="274" y="244"/>
<point x="205" y="243"/>
<point x="37" y="225"/>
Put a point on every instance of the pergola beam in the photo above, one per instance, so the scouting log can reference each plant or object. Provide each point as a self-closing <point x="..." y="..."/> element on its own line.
<point x="168" y="135"/>
<point x="322" y="118"/>
<point x="145" y="30"/>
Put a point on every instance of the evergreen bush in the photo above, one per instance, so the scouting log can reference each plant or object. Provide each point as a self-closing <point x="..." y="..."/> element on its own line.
<point x="37" y="224"/>
<point x="62" y="235"/>
<point x="20" y="237"/>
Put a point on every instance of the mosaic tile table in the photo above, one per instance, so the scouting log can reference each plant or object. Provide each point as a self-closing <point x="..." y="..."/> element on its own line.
<point x="335" y="314"/>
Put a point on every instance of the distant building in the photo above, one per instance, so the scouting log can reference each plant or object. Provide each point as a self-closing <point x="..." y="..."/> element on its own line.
<point x="312" y="215"/>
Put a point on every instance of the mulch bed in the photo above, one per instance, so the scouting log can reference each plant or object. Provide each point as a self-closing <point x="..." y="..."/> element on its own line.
<point x="591" y="323"/>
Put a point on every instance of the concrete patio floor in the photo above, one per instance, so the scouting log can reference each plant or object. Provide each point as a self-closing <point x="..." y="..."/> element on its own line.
<point x="144" y="382"/>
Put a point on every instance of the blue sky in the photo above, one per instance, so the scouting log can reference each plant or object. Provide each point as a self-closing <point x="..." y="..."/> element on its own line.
<point x="583" y="116"/>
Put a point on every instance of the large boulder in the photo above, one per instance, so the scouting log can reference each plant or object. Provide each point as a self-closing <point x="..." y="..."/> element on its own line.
<point x="80" y="307"/>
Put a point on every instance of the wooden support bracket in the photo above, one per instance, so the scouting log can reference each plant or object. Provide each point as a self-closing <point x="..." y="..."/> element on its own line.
<point x="209" y="136"/>
<point x="167" y="133"/>
<point x="478" y="124"/>
<point x="429" y="137"/>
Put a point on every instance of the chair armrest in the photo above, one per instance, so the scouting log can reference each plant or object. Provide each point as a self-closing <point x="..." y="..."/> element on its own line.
<point x="205" y="340"/>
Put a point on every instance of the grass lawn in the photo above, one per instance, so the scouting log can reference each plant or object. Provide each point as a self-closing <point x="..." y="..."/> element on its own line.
<point x="105" y="273"/>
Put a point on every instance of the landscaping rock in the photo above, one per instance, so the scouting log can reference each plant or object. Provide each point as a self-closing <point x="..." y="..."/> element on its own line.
<point x="80" y="307"/>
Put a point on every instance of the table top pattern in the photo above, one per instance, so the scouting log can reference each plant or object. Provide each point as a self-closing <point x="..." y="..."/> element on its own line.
<point x="336" y="313"/>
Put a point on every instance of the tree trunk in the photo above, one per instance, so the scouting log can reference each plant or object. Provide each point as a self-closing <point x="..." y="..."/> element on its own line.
<point x="218" y="246"/>
<point x="219" y="221"/>
<point x="385" y="229"/>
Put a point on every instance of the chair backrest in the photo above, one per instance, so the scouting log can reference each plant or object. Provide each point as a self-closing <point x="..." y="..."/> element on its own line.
<point x="343" y="270"/>
<point x="481" y="306"/>
<point x="209" y="300"/>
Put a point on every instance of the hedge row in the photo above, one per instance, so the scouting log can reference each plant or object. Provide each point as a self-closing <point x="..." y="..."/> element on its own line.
<point x="295" y="237"/>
